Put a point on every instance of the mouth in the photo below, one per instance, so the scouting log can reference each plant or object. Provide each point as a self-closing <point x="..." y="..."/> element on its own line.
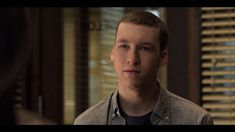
<point x="131" y="71"/>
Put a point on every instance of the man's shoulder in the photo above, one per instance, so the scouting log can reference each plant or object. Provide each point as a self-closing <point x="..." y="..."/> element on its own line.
<point x="183" y="103"/>
<point x="185" y="110"/>
<point x="94" y="115"/>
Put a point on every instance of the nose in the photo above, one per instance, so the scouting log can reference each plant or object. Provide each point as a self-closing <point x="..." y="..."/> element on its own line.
<point x="133" y="57"/>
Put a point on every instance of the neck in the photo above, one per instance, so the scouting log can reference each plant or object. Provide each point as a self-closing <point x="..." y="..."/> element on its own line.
<point x="137" y="101"/>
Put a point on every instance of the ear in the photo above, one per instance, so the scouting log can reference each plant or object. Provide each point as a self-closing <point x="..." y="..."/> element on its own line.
<point x="163" y="58"/>
<point x="112" y="55"/>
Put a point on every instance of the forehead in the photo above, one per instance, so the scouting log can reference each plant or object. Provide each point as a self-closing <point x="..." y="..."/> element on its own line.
<point x="137" y="32"/>
<point x="133" y="25"/>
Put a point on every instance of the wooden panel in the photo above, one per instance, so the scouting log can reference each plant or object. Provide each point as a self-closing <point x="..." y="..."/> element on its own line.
<point x="51" y="63"/>
<point x="81" y="46"/>
<point x="184" y="52"/>
<point x="14" y="54"/>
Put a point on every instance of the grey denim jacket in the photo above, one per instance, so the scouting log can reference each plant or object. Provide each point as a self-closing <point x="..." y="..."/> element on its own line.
<point x="170" y="109"/>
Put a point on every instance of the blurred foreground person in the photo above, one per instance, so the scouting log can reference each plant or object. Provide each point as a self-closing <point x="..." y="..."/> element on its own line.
<point x="14" y="57"/>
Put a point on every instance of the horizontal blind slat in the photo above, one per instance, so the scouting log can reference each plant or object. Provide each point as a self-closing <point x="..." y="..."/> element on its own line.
<point x="217" y="56"/>
<point x="216" y="8"/>
<point x="218" y="31"/>
<point x="218" y="15"/>
<point x="224" y="122"/>
<point x="217" y="48"/>
<point x="218" y="40"/>
<point x="217" y="64"/>
<point x="218" y="60"/>
<point x="218" y="97"/>
<point x="218" y="106"/>
<point x="214" y="73"/>
<point x="208" y="24"/>
<point x="217" y="89"/>
<point x="223" y="114"/>
<point x="217" y="81"/>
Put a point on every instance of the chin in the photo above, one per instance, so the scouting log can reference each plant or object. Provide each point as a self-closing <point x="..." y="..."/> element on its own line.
<point x="134" y="84"/>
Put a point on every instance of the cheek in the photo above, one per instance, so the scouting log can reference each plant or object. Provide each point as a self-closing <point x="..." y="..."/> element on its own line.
<point x="119" y="57"/>
<point x="150" y="63"/>
<point x="118" y="63"/>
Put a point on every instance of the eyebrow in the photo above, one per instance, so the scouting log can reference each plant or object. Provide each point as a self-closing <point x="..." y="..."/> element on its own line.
<point x="140" y="44"/>
<point x="146" y="43"/>
<point x="122" y="40"/>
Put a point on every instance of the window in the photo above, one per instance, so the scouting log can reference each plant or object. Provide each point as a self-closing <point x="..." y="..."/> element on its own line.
<point x="218" y="63"/>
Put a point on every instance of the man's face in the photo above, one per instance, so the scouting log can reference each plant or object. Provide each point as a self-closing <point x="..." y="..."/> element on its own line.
<point x="136" y="54"/>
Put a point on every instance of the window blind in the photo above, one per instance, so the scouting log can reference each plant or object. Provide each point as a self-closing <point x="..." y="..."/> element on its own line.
<point x="102" y="78"/>
<point x="109" y="16"/>
<point x="218" y="63"/>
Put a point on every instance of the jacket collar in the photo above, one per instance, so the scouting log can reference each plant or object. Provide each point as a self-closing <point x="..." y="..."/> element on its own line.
<point x="160" y="115"/>
<point x="115" y="117"/>
<point x="116" y="110"/>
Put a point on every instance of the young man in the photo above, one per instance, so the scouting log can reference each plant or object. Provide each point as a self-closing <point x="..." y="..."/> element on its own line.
<point x="140" y="49"/>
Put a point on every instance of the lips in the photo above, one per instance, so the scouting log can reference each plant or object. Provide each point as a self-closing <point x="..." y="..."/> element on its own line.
<point x="131" y="71"/>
